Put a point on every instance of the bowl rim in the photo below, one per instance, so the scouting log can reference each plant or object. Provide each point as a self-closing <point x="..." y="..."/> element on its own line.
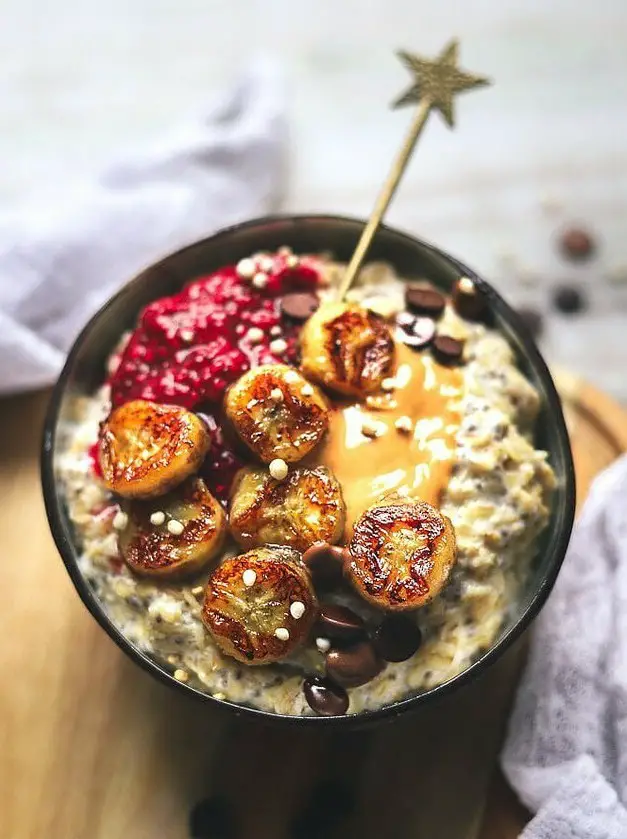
<point x="410" y="704"/>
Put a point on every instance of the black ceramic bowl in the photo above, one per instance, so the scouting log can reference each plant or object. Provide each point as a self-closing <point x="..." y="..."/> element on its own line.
<point x="84" y="371"/>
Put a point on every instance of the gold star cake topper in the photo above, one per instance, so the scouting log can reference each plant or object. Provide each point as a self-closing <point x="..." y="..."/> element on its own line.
<point x="436" y="82"/>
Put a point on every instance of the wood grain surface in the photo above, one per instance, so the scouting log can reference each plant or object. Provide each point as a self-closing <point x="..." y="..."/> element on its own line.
<point x="92" y="747"/>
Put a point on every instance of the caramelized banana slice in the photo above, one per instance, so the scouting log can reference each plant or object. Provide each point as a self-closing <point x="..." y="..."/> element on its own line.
<point x="277" y="412"/>
<point x="347" y="349"/>
<point x="174" y="535"/>
<point x="260" y="606"/>
<point x="306" y="507"/>
<point x="401" y="554"/>
<point x="146" y="449"/>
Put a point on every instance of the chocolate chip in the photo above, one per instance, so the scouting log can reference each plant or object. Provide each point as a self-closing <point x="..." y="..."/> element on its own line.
<point x="355" y="665"/>
<point x="469" y="301"/>
<point x="448" y="350"/>
<point x="576" y="244"/>
<point x="299" y="306"/>
<point x="569" y="300"/>
<point x="425" y="300"/>
<point x="397" y="638"/>
<point x="418" y="333"/>
<point x="340" y="623"/>
<point x="212" y="818"/>
<point x="532" y="318"/>
<point x="325" y="563"/>
<point x="325" y="697"/>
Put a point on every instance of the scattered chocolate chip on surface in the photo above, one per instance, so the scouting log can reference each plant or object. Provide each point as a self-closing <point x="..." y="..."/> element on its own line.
<point x="325" y="697"/>
<point x="355" y="665"/>
<point x="417" y="332"/>
<point x="448" y="350"/>
<point x="577" y="244"/>
<point x="533" y="320"/>
<point x="299" y="306"/>
<point x="325" y="563"/>
<point x="340" y="623"/>
<point x="468" y="300"/>
<point x="569" y="300"/>
<point x="425" y="300"/>
<point x="397" y="638"/>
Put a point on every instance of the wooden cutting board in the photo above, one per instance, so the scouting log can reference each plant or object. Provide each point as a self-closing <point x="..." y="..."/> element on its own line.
<point x="93" y="747"/>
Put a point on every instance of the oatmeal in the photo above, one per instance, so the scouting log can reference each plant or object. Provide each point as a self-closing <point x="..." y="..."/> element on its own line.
<point x="434" y="422"/>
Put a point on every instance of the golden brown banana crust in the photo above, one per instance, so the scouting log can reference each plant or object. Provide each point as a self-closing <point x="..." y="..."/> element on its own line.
<point x="401" y="554"/>
<point x="277" y="412"/>
<point x="304" y="508"/>
<point x="253" y="622"/>
<point x="347" y="349"/>
<point x="151" y="550"/>
<point x="145" y="449"/>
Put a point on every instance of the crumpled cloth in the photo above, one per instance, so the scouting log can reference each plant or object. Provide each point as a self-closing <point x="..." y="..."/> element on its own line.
<point x="566" y="748"/>
<point x="60" y="263"/>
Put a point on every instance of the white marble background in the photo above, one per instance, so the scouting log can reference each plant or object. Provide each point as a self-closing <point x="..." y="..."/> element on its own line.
<point x="80" y="80"/>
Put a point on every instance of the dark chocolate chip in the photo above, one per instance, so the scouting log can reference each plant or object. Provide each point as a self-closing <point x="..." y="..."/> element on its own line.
<point x="325" y="697"/>
<point x="325" y="563"/>
<point x="355" y="665"/>
<point x="418" y="334"/>
<point x="448" y="350"/>
<point x="340" y="623"/>
<point x="424" y="300"/>
<point x="569" y="300"/>
<point x="469" y="301"/>
<point x="212" y="818"/>
<point x="397" y="638"/>
<point x="577" y="244"/>
<point x="299" y="306"/>
<point x="532" y="318"/>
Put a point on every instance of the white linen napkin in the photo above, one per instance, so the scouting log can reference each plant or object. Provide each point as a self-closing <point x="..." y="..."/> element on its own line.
<point x="566" y="749"/>
<point x="60" y="263"/>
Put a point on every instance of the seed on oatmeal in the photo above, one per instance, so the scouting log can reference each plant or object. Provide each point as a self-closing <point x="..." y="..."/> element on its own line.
<point x="278" y="346"/>
<point x="198" y="591"/>
<point x="260" y="280"/>
<point x="275" y="331"/>
<point x="307" y="390"/>
<point x="246" y="268"/>
<point x="255" y="335"/>
<point x="172" y="659"/>
<point x="404" y="424"/>
<point x="388" y="384"/>
<point x="323" y="644"/>
<point x="181" y="675"/>
<point x="278" y="468"/>
<point x="175" y="527"/>
<point x="157" y="518"/>
<point x="276" y="394"/>
<point x="120" y="520"/>
<point x="292" y="261"/>
<point x="369" y="428"/>
<point x="297" y="609"/>
<point x="219" y="695"/>
<point x="249" y="577"/>
<point x="282" y="633"/>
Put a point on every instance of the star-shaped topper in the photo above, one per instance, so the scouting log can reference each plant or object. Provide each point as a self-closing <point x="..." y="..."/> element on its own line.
<point x="438" y="80"/>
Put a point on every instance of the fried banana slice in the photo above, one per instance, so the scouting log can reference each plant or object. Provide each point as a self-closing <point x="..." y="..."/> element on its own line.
<point x="401" y="554"/>
<point x="175" y="535"/>
<point x="261" y="605"/>
<point x="146" y="449"/>
<point x="347" y="348"/>
<point x="277" y="412"/>
<point x="306" y="507"/>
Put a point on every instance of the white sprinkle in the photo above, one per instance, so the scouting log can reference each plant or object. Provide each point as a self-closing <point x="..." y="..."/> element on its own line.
<point x="278" y="469"/>
<point x="275" y="330"/>
<point x="404" y="424"/>
<point x="266" y="263"/>
<point x="291" y="377"/>
<point x="323" y="644"/>
<point x="158" y="517"/>
<point x="181" y="675"/>
<point x="260" y="280"/>
<point x="254" y="334"/>
<point x="246" y="268"/>
<point x="297" y="609"/>
<point x="219" y="695"/>
<point x="466" y="285"/>
<point x="369" y="428"/>
<point x="175" y="527"/>
<point x="248" y="577"/>
<point x="276" y="394"/>
<point x="120" y="520"/>
<point x="282" y="634"/>
<point x="187" y="335"/>
<point x="388" y="384"/>
<point x="278" y="346"/>
<point x="292" y="261"/>
<point x="307" y="390"/>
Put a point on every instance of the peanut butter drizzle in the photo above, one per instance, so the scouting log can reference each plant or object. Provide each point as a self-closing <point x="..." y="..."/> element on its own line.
<point x="417" y="463"/>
